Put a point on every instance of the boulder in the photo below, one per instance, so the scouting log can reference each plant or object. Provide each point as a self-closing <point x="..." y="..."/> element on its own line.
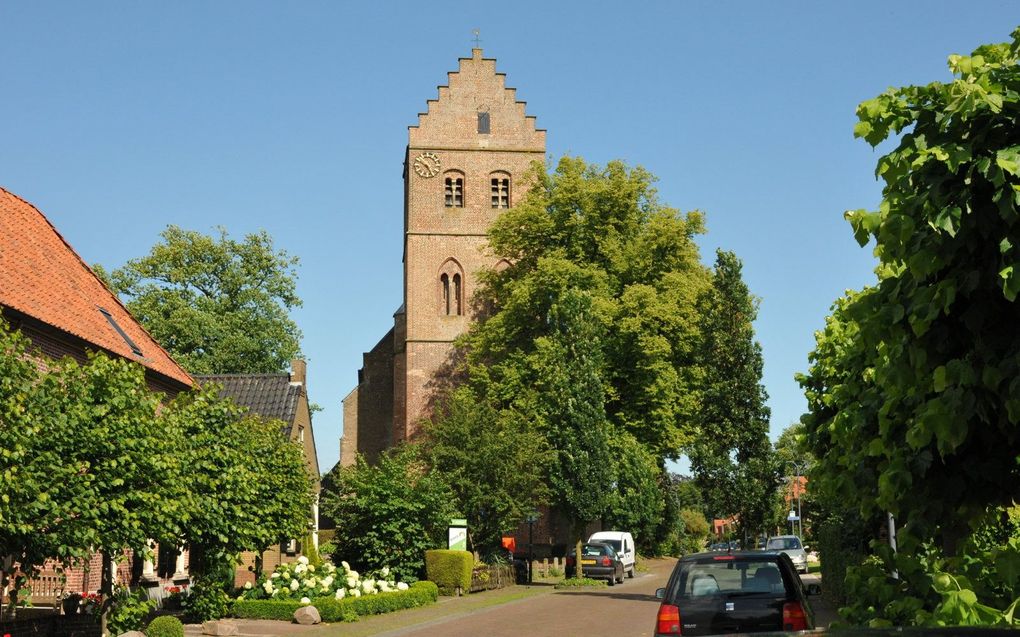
<point x="307" y="615"/>
<point x="222" y="627"/>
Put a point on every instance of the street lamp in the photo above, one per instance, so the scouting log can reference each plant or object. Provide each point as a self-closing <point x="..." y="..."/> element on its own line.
<point x="798" y="467"/>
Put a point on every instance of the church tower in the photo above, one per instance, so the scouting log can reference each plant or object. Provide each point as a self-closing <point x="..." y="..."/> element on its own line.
<point x="465" y="163"/>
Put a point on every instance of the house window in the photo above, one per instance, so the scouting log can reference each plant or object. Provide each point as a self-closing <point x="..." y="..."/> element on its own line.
<point x="483" y="122"/>
<point x="127" y="339"/>
<point x="301" y="434"/>
<point x="454" y="192"/>
<point x="500" y="192"/>
<point x="456" y="295"/>
<point x="445" y="282"/>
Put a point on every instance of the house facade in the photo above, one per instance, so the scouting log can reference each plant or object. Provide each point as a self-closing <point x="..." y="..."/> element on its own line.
<point x="53" y="297"/>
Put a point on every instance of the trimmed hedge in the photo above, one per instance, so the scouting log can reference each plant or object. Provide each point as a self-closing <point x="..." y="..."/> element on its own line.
<point x="347" y="609"/>
<point x="450" y="570"/>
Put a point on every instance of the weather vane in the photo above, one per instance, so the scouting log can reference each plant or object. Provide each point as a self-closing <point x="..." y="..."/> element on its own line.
<point x="478" y="40"/>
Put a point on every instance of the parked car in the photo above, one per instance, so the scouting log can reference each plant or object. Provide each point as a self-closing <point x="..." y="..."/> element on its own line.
<point x="623" y="543"/>
<point x="599" y="560"/>
<point x="790" y="544"/>
<point x="739" y="592"/>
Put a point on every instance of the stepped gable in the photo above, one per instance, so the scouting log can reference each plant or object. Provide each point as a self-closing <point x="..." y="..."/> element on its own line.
<point x="42" y="277"/>
<point x="449" y="123"/>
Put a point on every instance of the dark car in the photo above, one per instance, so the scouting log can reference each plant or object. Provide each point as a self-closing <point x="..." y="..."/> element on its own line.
<point x="599" y="560"/>
<point x="738" y="592"/>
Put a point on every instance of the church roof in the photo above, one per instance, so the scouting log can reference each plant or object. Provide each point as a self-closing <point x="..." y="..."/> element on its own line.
<point x="41" y="276"/>
<point x="267" y="395"/>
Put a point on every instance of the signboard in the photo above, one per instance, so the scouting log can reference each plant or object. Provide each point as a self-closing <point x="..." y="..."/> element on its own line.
<point x="793" y="517"/>
<point x="458" y="538"/>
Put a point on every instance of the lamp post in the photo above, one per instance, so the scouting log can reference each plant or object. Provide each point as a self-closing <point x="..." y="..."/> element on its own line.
<point x="798" y="468"/>
<point x="532" y="518"/>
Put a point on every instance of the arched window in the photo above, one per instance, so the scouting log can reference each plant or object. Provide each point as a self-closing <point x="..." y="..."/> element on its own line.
<point x="451" y="288"/>
<point x="500" y="182"/>
<point x="454" y="189"/>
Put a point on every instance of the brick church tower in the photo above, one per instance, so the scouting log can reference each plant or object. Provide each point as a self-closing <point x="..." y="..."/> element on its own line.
<point x="464" y="165"/>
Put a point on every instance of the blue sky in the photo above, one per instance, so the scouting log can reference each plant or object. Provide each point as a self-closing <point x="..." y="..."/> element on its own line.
<point x="119" y="118"/>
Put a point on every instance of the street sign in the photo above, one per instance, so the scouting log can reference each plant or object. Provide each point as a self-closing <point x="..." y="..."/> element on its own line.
<point x="793" y="517"/>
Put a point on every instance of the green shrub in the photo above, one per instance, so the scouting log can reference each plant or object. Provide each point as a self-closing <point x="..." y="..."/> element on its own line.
<point x="129" y="610"/>
<point x="450" y="570"/>
<point x="165" y="626"/>
<point x="337" y="610"/>
<point x="581" y="582"/>
<point x="207" y="600"/>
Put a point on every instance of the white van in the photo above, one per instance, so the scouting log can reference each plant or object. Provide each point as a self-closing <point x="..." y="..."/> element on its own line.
<point x="623" y="543"/>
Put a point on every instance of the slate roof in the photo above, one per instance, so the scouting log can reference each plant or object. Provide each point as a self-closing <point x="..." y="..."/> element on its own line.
<point x="42" y="276"/>
<point x="267" y="395"/>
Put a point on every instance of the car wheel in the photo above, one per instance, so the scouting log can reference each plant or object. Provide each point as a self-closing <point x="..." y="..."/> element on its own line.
<point x="630" y="573"/>
<point x="612" y="580"/>
<point x="620" y="581"/>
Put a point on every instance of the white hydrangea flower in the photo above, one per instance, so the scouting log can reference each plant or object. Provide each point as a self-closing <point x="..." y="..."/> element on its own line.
<point x="340" y="593"/>
<point x="305" y="600"/>
<point x="327" y="581"/>
<point x="346" y="566"/>
<point x="384" y="586"/>
<point x="401" y="586"/>
<point x="294" y="585"/>
<point x="300" y="568"/>
<point x="303" y="560"/>
<point x="385" y="571"/>
<point x="368" y="586"/>
<point x="275" y="592"/>
<point x="247" y="586"/>
<point x="356" y="593"/>
<point x="311" y="568"/>
<point x="268" y="587"/>
<point x="352" y="582"/>
<point x="274" y="575"/>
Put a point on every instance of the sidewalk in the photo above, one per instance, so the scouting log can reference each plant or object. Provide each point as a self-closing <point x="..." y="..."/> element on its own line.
<point x="444" y="609"/>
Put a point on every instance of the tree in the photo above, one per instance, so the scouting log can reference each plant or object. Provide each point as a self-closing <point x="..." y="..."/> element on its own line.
<point x="216" y="304"/>
<point x="914" y="385"/>
<point x="248" y="486"/>
<point x="638" y="501"/>
<point x="495" y="463"/>
<point x="122" y="457"/>
<point x="731" y="458"/>
<point x="388" y="514"/>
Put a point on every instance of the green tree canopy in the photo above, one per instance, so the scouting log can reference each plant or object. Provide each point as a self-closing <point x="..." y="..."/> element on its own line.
<point x="218" y="305"/>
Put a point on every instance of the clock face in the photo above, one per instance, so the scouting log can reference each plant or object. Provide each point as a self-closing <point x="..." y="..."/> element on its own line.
<point x="426" y="165"/>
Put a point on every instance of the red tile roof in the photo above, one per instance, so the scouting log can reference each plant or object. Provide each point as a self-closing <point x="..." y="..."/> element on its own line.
<point x="43" y="277"/>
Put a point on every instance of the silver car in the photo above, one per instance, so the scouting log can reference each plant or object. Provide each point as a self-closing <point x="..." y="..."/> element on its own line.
<point x="789" y="544"/>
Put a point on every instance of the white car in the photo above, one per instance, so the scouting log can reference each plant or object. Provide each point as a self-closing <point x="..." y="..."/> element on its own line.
<point x="789" y="544"/>
<point x="623" y="543"/>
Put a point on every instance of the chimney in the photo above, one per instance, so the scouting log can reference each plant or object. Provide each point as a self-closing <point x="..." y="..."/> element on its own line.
<point x="297" y="371"/>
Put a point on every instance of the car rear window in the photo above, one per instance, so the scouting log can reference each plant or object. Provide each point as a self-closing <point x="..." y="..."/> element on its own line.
<point x="613" y="543"/>
<point x="727" y="576"/>
<point x="594" y="550"/>
<point x="783" y="543"/>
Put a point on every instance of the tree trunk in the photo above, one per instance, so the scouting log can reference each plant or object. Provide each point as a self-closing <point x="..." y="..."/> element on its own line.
<point x="105" y="592"/>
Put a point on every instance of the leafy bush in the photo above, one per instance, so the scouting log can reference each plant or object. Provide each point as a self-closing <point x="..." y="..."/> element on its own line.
<point x="334" y="610"/>
<point x="207" y="600"/>
<point x="129" y="610"/>
<point x="301" y="579"/>
<point x="165" y="626"/>
<point x="388" y="513"/>
<point x="450" y="570"/>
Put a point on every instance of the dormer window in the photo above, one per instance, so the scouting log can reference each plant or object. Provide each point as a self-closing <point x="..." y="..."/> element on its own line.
<point x="454" y="190"/>
<point x="500" y="191"/>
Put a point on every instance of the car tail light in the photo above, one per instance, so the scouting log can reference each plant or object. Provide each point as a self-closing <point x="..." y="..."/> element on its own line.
<point x="606" y="561"/>
<point x="570" y="560"/>
<point x="794" y="617"/>
<point x="668" y="621"/>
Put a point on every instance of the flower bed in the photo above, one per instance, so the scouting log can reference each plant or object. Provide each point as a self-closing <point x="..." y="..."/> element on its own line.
<point x="333" y="609"/>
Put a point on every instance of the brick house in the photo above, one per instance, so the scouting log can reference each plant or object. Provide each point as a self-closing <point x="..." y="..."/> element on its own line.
<point x="464" y="164"/>
<point x="53" y="297"/>
<point x="282" y="397"/>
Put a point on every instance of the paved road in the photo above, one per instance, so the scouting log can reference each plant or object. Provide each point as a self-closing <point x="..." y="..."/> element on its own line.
<point x="624" y="610"/>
